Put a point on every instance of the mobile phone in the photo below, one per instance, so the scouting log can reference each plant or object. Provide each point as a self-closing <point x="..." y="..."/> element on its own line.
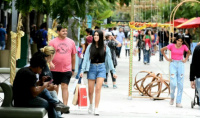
<point x="48" y="78"/>
<point x="50" y="81"/>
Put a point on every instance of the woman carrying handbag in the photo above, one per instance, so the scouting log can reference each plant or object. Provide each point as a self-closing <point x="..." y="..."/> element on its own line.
<point x="97" y="61"/>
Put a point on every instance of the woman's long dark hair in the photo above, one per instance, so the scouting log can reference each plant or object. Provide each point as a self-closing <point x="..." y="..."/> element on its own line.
<point x="100" y="50"/>
<point x="147" y="32"/>
<point x="180" y="37"/>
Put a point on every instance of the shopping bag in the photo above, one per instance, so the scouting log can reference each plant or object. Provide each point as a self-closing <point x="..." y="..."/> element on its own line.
<point x="72" y="90"/>
<point x="135" y="51"/>
<point x="75" y="98"/>
<point x="82" y="96"/>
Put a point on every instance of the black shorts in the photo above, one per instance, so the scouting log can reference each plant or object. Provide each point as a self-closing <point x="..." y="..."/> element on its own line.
<point x="61" y="77"/>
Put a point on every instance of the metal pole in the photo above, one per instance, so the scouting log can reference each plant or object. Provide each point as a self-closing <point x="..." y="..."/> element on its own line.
<point x="170" y="6"/>
<point x="13" y="44"/>
<point x="151" y="10"/>
<point x="14" y="16"/>
<point x="131" y="55"/>
<point x="145" y="10"/>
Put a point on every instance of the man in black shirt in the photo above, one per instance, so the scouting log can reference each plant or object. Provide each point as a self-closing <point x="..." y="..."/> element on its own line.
<point x="194" y="69"/>
<point x="173" y="36"/>
<point x="163" y="37"/>
<point x="28" y="92"/>
<point x="140" y="43"/>
<point x="188" y="40"/>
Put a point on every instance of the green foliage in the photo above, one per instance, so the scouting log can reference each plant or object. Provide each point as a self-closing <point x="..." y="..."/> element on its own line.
<point x="7" y="4"/>
<point x="65" y="9"/>
<point x="122" y="2"/>
<point x="109" y="25"/>
<point x="24" y="6"/>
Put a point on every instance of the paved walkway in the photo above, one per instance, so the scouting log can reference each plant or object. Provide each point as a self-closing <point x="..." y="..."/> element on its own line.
<point x="115" y="103"/>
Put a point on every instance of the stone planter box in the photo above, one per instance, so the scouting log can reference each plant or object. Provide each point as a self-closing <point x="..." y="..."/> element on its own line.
<point x="4" y="58"/>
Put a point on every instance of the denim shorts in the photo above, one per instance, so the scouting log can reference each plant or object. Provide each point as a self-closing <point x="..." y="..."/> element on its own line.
<point x="96" y="71"/>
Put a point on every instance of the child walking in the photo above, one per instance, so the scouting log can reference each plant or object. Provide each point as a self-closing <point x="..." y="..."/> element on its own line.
<point x="127" y="47"/>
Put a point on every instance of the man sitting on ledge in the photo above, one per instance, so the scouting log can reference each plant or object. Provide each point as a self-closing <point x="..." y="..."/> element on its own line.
<point x="28" y="92"/>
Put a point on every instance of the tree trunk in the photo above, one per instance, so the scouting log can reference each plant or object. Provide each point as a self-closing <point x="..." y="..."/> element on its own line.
<point x="27" y="25"/>
<point x="39" y="19"/>
<point x="47" y="22"/>
<point x="9" y="28"/>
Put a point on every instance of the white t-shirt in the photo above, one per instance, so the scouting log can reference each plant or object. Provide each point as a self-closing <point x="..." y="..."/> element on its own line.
<point x="115" y="32"/>
<point x="127" y="44"/>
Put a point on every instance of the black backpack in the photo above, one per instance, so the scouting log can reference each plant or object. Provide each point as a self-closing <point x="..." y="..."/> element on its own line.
<point x="38" y="36"/>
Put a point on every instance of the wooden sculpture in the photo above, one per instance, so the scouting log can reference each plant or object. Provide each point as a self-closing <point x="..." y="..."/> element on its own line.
<point x="148" y="84"/>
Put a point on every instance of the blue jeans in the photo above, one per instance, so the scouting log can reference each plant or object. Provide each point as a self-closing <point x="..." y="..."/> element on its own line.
<point x="79" y="69"/>
<point x="44" y="100"/>
<point x="197" y="82"/>
<point x="161" y="45"/>
<point x="55" y="97"/>
<point x="96" y="71"/>
<point x="119" y="51"/>
<point x="2" y="45"/>
<point x="176" y="79"/>
<point x="147" y="54"/>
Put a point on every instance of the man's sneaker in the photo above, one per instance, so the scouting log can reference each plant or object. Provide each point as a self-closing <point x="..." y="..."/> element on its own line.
<point x="96" y="112"/>
<point x="114" y="86"/>
<point x="179" y="105"/>
<point x="61" y="107"/>
<point x="105" y="86"/>
<point x="90" y="110"/>
<point x="67" y="112"/>
<point x="171" y="101"/>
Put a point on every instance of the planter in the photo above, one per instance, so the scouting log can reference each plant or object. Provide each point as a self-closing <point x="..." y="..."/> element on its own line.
<point x="4" y="58"/>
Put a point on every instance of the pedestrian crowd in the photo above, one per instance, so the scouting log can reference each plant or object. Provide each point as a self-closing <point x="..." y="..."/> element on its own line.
<point x="97" y="54"/>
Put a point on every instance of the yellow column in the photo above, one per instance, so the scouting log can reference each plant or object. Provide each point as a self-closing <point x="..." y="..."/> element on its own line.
<point x="15" y="48"/>
<point x="131" y="54"/>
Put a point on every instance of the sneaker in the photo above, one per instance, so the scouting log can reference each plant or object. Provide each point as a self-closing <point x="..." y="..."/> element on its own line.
<point x="114" y="86"/>
<point x="90" y="110"/>
<point x="179" y="105"/>
<point x="67" y="112"/>
<point x="61" y="107"/>
<point x="96" y="112"/>
<point x="171" y="102"/>
<point x="105" y="86"/>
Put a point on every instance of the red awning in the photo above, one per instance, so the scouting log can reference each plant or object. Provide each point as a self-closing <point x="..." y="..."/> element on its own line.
<point x="192" y="23"/>
<point x="179" y="21"/>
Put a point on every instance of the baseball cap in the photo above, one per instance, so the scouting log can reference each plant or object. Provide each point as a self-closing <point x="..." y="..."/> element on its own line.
<point x="108" y="34"/>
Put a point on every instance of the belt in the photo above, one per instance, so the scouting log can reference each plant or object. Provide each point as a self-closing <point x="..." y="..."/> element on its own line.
<point x="97" y="63"/>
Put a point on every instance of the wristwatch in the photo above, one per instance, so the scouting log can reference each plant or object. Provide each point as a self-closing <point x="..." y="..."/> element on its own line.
<point x="73" y="70"/>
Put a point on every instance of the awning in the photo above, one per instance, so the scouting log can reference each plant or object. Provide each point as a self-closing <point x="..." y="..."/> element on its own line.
<point x="192" y="23"/>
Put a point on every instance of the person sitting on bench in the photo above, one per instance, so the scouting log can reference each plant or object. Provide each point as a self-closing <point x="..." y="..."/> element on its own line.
<point x="28" y="93"/>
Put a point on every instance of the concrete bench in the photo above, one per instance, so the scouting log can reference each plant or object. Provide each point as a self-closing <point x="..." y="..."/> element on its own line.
<point x="8" y="111"/>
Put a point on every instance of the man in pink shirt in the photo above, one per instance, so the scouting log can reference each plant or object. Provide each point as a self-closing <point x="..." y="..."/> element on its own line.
<point x="63" y="63"/>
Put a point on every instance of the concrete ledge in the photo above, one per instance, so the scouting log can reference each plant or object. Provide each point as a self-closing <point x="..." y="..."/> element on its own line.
<point x="6" y="70"/>
<point x="18" y="112"/>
